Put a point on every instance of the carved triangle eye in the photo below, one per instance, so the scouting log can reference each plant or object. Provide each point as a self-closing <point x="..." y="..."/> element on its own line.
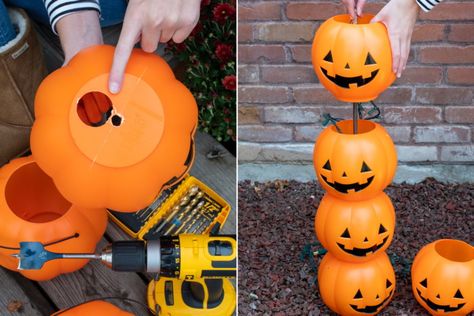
<point x="424" y="283"/>
<point x="388" y="284"/>
<point x="369" y="60"/>
<point x="327" y="166"/>
<point x="344" y="174"/>
<point x="328" y="57"/>
<point x="382" y="229"/>
<point x="358" y="294"/>
<point x="346" y="234"/>
<point x="347" y="66"/>
<point x="458" y="294"/>
<point x="365" y="168"/>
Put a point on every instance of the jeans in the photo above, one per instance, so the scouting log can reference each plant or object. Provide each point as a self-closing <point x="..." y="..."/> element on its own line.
<point x="112" y="12"/>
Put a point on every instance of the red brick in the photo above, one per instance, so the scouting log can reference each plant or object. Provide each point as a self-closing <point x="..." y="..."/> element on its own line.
<point x="288" y="74"/>
<point x="396" y="95"/>
<point x="342" y="111"/>
<point x="285" y="32"/>
<point x="438" y="95"/>
<point x="263" y="94"/>
<point x="267" y="133"/>
<point x="259" y="11"/>
<point x="249" y="115"/>
<point x="307" y="133"/>
<point x="447" y="55"/>
<point x="461" y="75"/>
<point x="248" y="73"/>
<point x="314" y="94"/>
<point x="292" y="114"/>
<point x="417" y="75"/>
<point x="459" y="114"/>
<point x="301" y="53"/>
<point x="428" y="33"/>
<point x="261" y="54"/>
<point x="450" y="10"/>
<point x="313" y="10"/>
<point x="245" y="32"/>
<point x="442" y="134"/>
<point x="399" y="134"/>
<point x="411" y="114"/>
<point x="373" y="8"/>
<point x="461" y="32"/>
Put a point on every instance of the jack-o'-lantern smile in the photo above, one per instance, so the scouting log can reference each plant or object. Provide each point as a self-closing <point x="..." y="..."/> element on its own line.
<point x="344" y="188"/>
<point x="439" y="307"/>
<point x="371" y="309"/>
<point x="346" y="82"/>
<point x="361" y="252"/>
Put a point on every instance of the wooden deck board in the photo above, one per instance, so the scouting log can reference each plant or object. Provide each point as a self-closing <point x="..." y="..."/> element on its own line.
<point x="12" y="291"/>
<point x="96" y="280"/>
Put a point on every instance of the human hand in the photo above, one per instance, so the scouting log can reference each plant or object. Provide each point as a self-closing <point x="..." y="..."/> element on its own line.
<point x="399" y="16"/>
<point x="354" y="7"/>
<point x="78" y="31"/>
<point x="151" y="22"/>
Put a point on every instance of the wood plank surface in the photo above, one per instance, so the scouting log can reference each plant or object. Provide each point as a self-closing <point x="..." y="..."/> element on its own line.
<point x="219" y="174"/>
<point x="11" y="291"/>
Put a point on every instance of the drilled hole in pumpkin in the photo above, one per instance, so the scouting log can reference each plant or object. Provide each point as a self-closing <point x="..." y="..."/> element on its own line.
<point x="94" y="108"/>
<point x="31" y="195"/>
<point x="116" y="120"/>
<point x="455" y="250"/>
<point x="346" y="127"/>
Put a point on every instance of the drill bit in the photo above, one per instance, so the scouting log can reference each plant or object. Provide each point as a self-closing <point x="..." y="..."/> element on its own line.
<point x="189" y="217"/>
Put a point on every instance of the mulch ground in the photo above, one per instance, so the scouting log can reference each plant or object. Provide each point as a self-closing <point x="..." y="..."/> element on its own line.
<point x="276" y="221"/>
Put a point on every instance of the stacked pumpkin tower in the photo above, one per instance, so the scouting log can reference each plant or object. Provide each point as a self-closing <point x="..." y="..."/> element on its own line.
<point x="355" y="160"/>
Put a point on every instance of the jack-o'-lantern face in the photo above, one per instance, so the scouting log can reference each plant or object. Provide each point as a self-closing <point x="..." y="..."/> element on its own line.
<point x="360" y="307"/>
<point x="364" y="251"/>
<point x="353" y="61"/>
<point x="350" y="82"/>
<point x="448" y="304"/>
<point x="354" y="167"/>
<point x="442" y="277"/>
<point x="354" y="231"/>
<point x="356" y="289"/>
<point x="364" y="179"/>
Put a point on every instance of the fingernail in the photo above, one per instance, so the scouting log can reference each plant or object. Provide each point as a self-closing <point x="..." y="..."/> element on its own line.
<point x="399" y="75"/>
<point x="114" y="87"/>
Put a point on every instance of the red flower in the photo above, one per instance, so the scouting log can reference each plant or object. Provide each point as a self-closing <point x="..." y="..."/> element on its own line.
<point x="222" y="12"/>
<point x="229" y="82"/>
<point x="205" y="3"/>
<point x="223" y="52"/>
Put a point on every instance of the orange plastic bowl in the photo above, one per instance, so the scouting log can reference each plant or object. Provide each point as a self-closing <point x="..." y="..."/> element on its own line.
<point x="93" y="308"/>
<point x="353" y="61"/>
<point x="138" y="141"/>
<point x="32" y="209"/>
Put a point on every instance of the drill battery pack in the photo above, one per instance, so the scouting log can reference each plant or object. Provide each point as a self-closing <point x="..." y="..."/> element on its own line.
<point x="189" y="207"/>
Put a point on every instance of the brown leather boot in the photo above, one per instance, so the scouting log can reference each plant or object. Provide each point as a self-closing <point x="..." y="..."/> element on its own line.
<point x="22" y="70"/>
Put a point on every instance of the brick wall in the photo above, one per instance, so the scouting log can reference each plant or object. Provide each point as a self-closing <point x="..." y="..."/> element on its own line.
<point x="429" y="111"/>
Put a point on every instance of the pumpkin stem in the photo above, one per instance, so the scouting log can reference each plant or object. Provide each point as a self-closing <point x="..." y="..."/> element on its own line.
<point x="329" y="119"/>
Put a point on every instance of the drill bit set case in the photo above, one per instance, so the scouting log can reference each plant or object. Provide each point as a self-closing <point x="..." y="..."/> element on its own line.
<point x="189" y="207"/>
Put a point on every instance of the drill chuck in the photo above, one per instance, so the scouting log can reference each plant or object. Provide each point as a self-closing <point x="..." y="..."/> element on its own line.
<point x="184" y="257"/>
